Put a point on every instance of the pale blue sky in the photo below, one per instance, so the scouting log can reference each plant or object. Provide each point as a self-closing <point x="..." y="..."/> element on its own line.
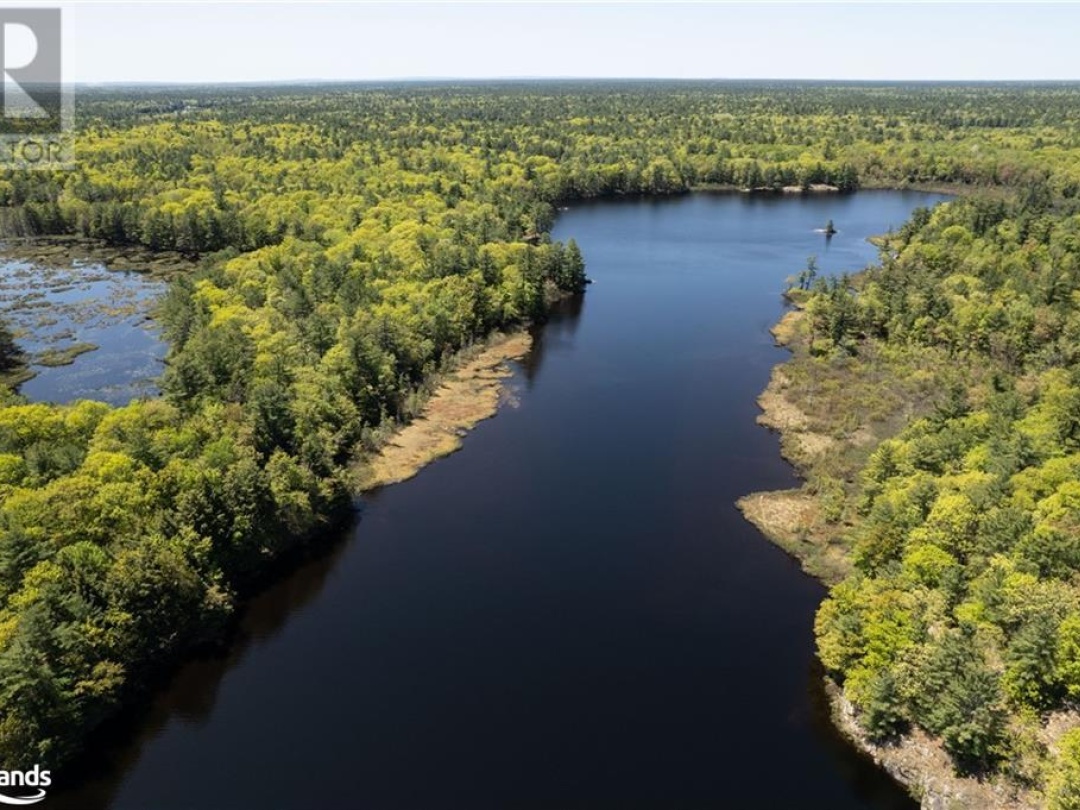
<point x="207" y="42"/>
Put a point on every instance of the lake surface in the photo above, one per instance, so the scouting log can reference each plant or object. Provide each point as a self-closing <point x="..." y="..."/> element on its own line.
<point x="570" y="612"/>
<point x="51" y="309"/>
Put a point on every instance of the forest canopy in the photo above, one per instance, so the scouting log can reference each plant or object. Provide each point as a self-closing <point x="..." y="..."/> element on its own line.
<point x="353" y="238"/>
<point x="962" y="613"/>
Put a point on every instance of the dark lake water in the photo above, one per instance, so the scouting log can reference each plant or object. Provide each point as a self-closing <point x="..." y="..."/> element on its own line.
<point x="570" y="612"/>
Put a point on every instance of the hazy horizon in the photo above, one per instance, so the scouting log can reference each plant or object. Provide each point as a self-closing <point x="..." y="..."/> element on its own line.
<point x="327" y="42"/>
<point x="315" y="81"/>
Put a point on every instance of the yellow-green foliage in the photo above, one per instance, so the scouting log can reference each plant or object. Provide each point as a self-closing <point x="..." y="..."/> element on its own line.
<point x="971" y="514"/>
<point x="1063" y="784"/>
<point x="354" y="238"/>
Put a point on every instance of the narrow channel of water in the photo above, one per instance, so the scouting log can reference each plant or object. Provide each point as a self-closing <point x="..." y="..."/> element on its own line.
<point x="570" y="612"/>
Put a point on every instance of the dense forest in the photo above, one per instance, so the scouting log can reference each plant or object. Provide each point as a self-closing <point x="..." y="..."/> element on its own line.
<point x="352" y="239"/>
<point x="962" y="614"/>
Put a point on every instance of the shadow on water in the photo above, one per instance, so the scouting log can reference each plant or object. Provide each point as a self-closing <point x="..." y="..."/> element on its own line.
<point x="858" y="769"/>
<point x="560" y="326"/>
<point x="189" y="693"/>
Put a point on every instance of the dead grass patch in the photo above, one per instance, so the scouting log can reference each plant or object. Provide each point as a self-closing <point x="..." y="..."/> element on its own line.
<point x="467" y="395"/>
<point x="792" y="519"/>
<point x="788" y="327"/>
<point x="778" y="411"/>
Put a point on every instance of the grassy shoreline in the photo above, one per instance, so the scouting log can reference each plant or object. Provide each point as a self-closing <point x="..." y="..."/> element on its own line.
<point x="827" y="435"/>
<point x="471" y="391"/>
<point x="403" y="457"/>
<point x="467" y="388"/>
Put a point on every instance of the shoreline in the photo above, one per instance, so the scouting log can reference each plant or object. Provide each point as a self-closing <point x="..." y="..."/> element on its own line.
<point x="919" y="763"/>
<point x="469" y="393"/>
<point x="953" y="189"/>
<point x="466" y="390"/>
<point x="792" y="518"/>
<point x="68" y="249"/>
<point x="796" y="520"/>
<point x="465" y="395"/>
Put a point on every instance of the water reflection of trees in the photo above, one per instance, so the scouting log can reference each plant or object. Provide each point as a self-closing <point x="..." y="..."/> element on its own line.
<point x="561" y="324"/>
<point x="191" y="693"/>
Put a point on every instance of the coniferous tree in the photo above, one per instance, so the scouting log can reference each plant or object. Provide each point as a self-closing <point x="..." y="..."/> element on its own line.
<point x="10" y="355"/>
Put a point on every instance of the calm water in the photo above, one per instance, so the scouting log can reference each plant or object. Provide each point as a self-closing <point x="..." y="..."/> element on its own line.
<point x="53" y="308"/>
<point x="570" y="612"/>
